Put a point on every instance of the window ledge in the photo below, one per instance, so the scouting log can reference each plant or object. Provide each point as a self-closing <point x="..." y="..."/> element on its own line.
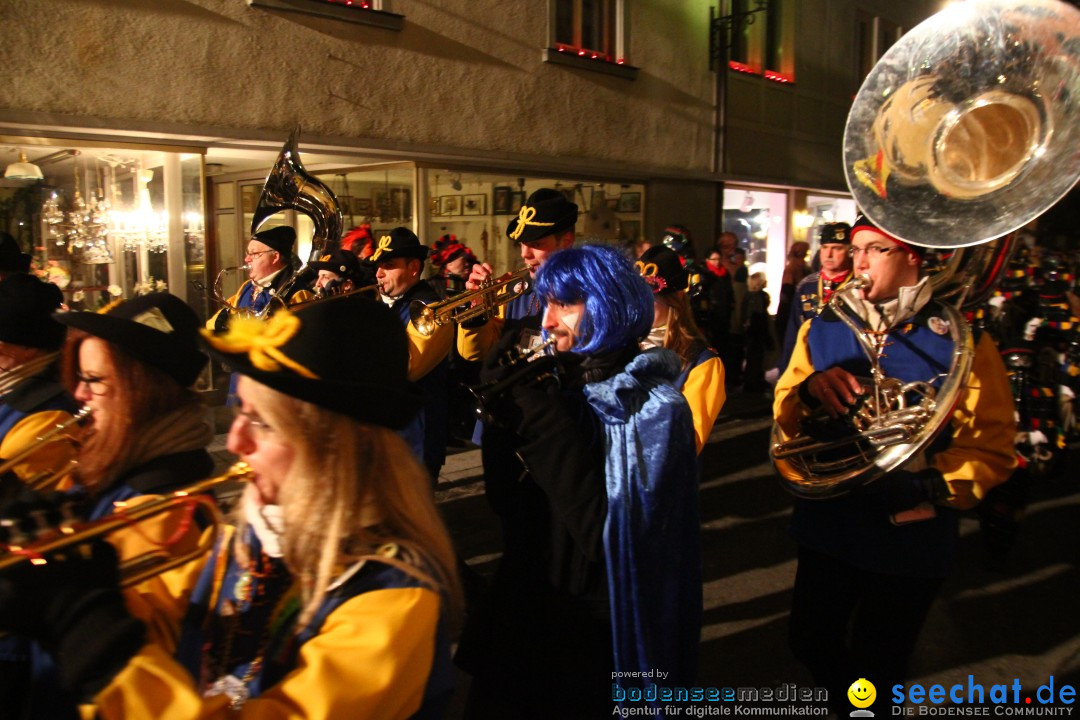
<point x="321" y="8"/>
<point x="627" y="72"/>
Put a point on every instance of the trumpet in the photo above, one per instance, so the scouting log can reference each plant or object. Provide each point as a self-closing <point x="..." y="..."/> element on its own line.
<point x="524" y="367"/>
<point x="336" y="294"/>
<point x="70" y="533"/>
<point x="482" y="302"/>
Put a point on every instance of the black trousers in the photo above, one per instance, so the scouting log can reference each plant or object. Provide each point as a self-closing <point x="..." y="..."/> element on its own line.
<point x="848" y="624"/>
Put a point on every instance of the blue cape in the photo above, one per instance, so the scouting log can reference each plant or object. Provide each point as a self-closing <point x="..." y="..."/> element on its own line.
<point x="652" y="536"/>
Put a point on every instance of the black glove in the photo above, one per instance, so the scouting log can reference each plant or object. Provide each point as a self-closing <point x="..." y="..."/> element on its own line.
<point x="72" y="605"/>
<point x="902" y="490"/>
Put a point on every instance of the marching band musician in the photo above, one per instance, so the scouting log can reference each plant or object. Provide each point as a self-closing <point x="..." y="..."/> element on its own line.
<point x="269" y="259"/>
<point x="336" y="595"/>
<point x="338" y="272"/>
<point x="32" y="398"/>
<point x="701" y="378"/>
<point x="816" y="288"/>
<point x="872" y="561"/>
<point x="399" y="262"/>
<point x="132" y="364"/>
<point x="544" y="225"/>
<point x="13" y="261"/>
<point x="590" y="581"/>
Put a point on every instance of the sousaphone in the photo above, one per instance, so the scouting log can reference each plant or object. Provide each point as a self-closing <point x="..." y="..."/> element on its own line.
<point x="964" y="131"/>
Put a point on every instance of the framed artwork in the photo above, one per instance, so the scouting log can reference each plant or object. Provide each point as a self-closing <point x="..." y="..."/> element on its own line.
<point x="361" y="206"/>
<point x="380" y="205"/>
<point x="474" y="205"/>
<point x="629" y="230"/>
<point x="450" y="205"/>
<point x="630" y="202"/>
<point x="401" y="203"/>
<point x="500" y="200"/>
<point x="517" y="199"/>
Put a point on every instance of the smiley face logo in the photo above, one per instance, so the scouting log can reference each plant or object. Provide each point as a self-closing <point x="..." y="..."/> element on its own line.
<point x="862" y="693"/>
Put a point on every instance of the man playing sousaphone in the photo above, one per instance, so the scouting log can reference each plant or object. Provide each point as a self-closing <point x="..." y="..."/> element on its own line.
<point x="268" y="258"/>
<point x="871" y="561"/>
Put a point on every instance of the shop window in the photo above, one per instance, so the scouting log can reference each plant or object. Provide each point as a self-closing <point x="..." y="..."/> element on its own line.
<point x="759" y="219"/>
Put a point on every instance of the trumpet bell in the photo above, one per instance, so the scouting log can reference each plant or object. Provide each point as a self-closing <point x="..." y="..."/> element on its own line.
<point x="967" y="128"/>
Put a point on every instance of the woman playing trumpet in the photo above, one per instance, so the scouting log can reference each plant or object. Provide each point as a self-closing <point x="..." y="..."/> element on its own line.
<point x="335" y="595"/>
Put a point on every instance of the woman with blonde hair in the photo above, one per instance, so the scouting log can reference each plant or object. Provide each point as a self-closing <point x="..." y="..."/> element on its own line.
<point x="337" y="594"/>
<point x="702" y="378"/>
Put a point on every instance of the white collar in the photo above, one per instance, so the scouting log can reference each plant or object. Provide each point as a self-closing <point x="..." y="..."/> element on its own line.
<point x="887" y="315"/>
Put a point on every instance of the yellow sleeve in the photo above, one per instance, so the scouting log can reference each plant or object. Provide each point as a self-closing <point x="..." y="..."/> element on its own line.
<point x="788" y="410"/>
<point x="51" y="459"/>
<point x="475" y="343"/>
<point x="161" y="601"/>
<point x="704" y="391"/>
<point x="427" y="352"/>
<point x="371" y="659"/>
<point x="982" y="452"/>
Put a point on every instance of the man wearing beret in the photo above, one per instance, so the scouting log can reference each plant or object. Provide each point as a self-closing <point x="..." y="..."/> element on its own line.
<point x="268" y="258"/>
<point x="399" y="261"/>
<point x="816" y="288"/>
<point x="544" y="225"/>
<point x="32" y="400"/>
<point x="12" y="259"/>
<point x="872" y="560"/>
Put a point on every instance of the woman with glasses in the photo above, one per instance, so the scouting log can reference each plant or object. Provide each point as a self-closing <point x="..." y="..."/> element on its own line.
<point x="336" y="594"/>
<point x="132" y="365"/>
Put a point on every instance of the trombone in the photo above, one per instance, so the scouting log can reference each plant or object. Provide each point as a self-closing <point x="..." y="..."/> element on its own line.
<point x="70" y="533"/>
<point x="11" y="378"/>
<point x="482" y="302"/>
<point x="56" y="433"/>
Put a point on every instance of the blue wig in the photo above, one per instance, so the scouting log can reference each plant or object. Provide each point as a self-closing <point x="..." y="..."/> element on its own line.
<point x="618" y="303"/>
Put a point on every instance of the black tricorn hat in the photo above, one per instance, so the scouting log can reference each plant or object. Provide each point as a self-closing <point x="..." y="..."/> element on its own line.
<point x="158" y="329"/>
<point x="663" y="270"/>
<point x="348" y="354"/>
<point x="12" y="259"/>
<point x="280" y="238"/>
<point x="546" y="212"/>
<point x="838" y="233"/>
<point x="27" y="305"/>
<point x="400" y="243"/>
<point x="339" y="262"/>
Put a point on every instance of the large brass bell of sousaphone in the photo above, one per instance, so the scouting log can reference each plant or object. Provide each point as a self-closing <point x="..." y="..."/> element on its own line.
<point x="968" y="127"/>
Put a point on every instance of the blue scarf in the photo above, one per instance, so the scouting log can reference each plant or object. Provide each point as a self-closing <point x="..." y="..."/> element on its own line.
<point x="652" y="534"/>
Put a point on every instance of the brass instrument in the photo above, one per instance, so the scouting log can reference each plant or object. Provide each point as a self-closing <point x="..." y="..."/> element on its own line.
<point x="482" y="302"/>
<point x="56" y="433"/>
<point x="523" y="366"/>
<point x="10" y="378"/>
<point x="289" y="186"/>
<point x="374" y="290"/>
<point x="964" y="131"/>
<point x="71" y="533"/>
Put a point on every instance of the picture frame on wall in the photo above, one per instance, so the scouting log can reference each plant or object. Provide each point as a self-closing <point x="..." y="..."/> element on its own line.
<point x="500" y="199"/>
<point x="361" y="206"/>
<point x="474" y="204"/>
<point x="401" y="203"/>
<point x="630" y="202"/>
<point x="450" y="205"/>
<point x="517" y="199"/>
<point x="380" y="204"/>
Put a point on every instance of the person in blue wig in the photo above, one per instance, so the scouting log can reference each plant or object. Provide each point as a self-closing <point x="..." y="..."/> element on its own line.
<point x="600" y="579"/>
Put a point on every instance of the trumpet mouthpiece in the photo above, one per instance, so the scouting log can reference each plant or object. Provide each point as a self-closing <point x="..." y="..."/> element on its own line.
<point x="862" y="282"/>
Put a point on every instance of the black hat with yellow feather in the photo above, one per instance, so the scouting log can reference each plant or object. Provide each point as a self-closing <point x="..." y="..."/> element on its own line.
<point x="349" y="355"/>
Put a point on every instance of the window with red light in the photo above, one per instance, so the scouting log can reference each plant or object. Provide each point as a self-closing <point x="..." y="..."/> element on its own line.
<point x="588" y="28"/>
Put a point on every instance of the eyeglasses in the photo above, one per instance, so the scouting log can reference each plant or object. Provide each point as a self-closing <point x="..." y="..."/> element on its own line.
<point x="873" y="251"/>
<point x="254" y="422"/>
<point x="257" y="254"/>
<point x="94" y="383"/>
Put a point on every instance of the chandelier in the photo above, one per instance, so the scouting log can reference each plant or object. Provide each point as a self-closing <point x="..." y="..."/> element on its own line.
<point x="142" y="226"/>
